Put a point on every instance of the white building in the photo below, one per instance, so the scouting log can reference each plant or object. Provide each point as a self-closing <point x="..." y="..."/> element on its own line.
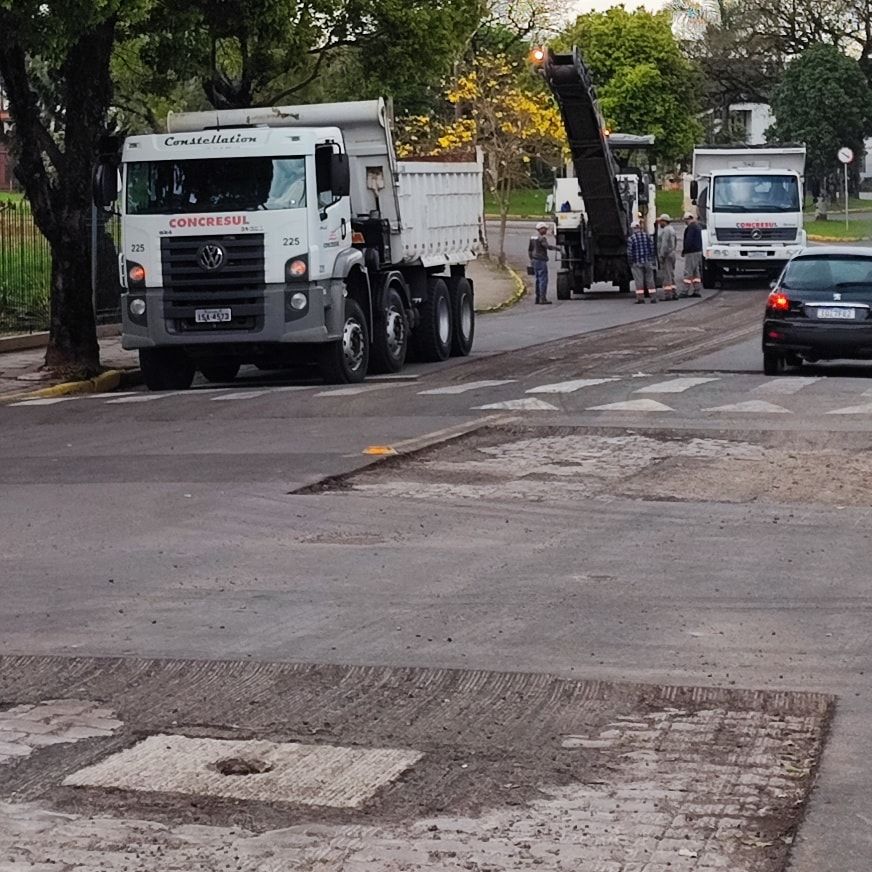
<point x="754" y="118"/>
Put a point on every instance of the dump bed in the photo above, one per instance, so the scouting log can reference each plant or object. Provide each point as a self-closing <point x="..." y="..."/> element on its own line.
<point x="708" y="159"/>
<point x="434" y="208"/>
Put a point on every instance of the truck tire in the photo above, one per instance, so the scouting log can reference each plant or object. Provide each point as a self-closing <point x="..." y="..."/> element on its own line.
<point x="711" y="275"/>
<point x="220" y="371"/>
<point x="345" y="360"/>
<point x="564" y="285"/>
<point x="390" y="339"/>
<point x="166" y="369"/>
<point x="432" y="336"/>
<point x="463" y="317"/>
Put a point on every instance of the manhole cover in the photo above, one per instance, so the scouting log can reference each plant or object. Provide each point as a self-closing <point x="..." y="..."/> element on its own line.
<point x="319" y="775"/>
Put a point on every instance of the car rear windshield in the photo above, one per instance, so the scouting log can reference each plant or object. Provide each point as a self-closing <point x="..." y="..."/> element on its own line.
<point x="828" y="271"/>
<point x="237" y="184"/>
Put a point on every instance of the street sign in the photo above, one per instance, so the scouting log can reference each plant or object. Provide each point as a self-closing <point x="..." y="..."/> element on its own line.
<point x="846" y="155"/>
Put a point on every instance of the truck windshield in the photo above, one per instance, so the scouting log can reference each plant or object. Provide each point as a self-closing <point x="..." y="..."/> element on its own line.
<point x="755" y="194"/>
<point x="237" y="184"/>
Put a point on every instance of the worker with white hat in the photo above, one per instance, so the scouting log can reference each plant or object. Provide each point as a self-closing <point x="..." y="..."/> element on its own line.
<point x="538" y="250"/>
<point x="667" y="243"/>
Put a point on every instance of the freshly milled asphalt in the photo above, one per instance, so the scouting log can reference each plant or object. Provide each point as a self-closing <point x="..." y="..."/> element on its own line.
<point x="168" y="528"/>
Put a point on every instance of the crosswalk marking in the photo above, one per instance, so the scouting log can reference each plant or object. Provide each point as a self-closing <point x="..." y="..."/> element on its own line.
<point x="239" y="395"/>
<point x="568" y="387"/>
<point x="675" y="385"/>
<point x="526" y="404"/>
<point x="43" y="401"/>
<point x="466" y="386"/>
<point x="865" y="409"/>
<point x="751" y="406"/>
<point x="144" y="398"/>
<point x="353" y="391"/>
<point x="784" y="387"/>
<point x="632" y="406"/>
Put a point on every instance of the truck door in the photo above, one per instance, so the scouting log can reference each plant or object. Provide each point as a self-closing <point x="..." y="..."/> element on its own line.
<point x="334" y="234"/>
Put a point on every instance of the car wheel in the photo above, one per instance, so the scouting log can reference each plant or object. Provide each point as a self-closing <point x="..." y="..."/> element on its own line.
<point x="773" y="362"/>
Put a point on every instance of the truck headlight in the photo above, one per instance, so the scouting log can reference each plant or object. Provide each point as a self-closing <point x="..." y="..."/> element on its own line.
<point x="137" y="307"/>
<point x="298" y="301"/>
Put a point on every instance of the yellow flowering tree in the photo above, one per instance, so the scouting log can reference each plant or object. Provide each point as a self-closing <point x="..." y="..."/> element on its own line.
<point x="501" y="108"/>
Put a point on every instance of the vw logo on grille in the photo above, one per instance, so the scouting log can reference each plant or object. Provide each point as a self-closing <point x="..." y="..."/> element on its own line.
<point x="211" y="256"/>
<point x="756" y="234"/>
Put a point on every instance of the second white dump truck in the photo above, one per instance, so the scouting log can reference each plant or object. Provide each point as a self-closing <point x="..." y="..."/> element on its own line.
<point x="284" y="235"/>
<point x="749" y="201"/>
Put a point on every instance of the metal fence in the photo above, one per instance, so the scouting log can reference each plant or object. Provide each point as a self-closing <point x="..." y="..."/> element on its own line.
<point x="25" y="270"/>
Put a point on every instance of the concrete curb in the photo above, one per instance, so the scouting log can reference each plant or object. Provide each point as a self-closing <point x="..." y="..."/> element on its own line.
<point x="29" y="341"/>
<point x="106" y="382"/>
<point x="834" y="239"/>
<point x="517" y="296"/>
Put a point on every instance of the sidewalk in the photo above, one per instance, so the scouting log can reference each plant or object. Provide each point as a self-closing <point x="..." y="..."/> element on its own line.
<point x="496" y="287"/>
<point x="20" y="371"/>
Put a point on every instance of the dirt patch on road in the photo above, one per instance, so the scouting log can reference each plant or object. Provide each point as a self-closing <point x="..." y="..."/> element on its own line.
<point x="467" y="771"/>
<point x="553" y="463"/>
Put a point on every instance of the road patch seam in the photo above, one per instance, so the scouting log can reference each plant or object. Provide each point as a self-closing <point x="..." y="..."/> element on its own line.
<point x="402" y="450"/>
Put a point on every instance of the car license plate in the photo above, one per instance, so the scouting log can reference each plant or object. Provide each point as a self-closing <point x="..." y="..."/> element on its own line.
<point x="212" y="316"/>
<point x="838" y="313"/>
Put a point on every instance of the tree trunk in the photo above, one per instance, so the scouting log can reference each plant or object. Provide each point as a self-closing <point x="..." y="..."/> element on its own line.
<point x="73" y="344"/>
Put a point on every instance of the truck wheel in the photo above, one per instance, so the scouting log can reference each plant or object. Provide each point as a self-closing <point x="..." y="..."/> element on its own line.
<point x="166" y="369"/>
<point x="390" y="338"/>
<point x="432" y="336"/>
<point x="345" y="361"/>
<point x="564" y="285"/>
<point x="222" y="371"/>
<point x="463" y="318"/>
<point x="711" y="275"/>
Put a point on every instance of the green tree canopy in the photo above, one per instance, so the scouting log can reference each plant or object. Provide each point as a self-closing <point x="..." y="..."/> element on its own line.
<point x="645" y="83"/>
<point x="824" y="101"/>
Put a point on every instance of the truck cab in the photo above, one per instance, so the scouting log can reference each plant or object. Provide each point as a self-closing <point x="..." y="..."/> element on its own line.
<point x="287" y="235"/>
<point x="750" y="206"/>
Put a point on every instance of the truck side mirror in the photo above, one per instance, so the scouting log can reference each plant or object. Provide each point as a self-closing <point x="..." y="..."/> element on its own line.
<point x="340" y="175"/>
<point x="643" y="194"/>
<point x="694" y="190"/>
<point x="105" y="184"/>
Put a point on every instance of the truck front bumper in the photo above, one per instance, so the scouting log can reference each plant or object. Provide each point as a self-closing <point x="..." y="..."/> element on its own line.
<point x="751" y="257"/>
<point x="268" y="316"/>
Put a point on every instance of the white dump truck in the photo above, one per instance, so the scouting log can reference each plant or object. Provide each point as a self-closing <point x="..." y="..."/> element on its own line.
<point x="749" y="201"/>
<point x="290" y="235"/>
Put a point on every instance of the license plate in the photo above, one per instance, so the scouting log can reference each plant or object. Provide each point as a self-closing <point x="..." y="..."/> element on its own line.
<point x="212" y="316"/>
<point x="837" y="313"/>
<point x="757" y="254"/>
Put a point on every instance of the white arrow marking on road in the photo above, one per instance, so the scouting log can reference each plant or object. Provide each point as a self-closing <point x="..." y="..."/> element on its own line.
<point x="865" y="409"/>
<point x="524" y="405"/>
<point x="632" y="406"/>
<point x="568" y="387"/>
<point x="784" y="386"/>
<point x="466" y="386"/>
<point x="675" y="385"/>
<point x="751" y="406"/>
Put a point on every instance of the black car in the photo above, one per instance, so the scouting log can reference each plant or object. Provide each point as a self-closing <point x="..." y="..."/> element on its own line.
<point x="820" y="309"/>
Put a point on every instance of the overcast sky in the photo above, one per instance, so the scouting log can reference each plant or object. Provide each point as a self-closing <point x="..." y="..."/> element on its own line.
<point x="577" y="7"/>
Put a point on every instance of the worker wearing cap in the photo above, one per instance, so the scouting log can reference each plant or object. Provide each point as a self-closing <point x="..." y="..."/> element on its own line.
<point x="640" y="250"/>
<point x="691" y="251"/>
<point x="538" y="251"/>
<point x="667" y="243"/>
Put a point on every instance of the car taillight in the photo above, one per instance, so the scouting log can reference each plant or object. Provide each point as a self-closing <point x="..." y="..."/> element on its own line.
<point x="778" y="301"/>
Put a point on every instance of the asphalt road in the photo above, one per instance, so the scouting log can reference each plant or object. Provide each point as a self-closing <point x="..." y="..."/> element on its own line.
<point x="651" y="508"/>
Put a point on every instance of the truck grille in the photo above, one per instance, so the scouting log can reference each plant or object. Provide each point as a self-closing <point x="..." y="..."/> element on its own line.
<point x="766" y="234"/>
<point x="236" y="283"/>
